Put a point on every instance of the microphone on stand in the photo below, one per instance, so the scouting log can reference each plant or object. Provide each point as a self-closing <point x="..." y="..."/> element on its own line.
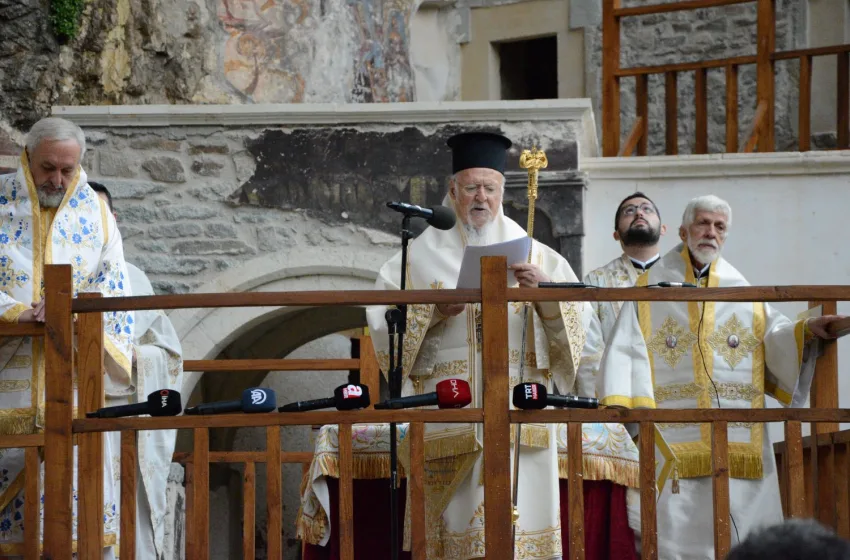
<point x="450" y="393"/>
<point x="160" y="403"/>
<point x="673" y="285"/>
<point x="346" y="397"/>
<point x="439" y="217"/>
<point x="253" y="400"/>
<point x="533" y="396"/>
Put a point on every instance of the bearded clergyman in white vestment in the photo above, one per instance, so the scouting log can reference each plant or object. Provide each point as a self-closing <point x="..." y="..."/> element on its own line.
<point x="157" y="364"/>
<point x="717" y="355"/>
<point x="49" y="215"/>
<point x="444" y="341"/>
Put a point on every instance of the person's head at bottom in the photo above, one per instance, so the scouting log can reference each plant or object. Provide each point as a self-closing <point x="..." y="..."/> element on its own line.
<point x="794" y="539"/>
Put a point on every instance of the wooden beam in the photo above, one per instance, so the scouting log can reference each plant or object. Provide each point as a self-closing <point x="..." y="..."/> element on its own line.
<point x="32" y="504"/>
<point x="815" y="51"/>
<point x="610" y="81"/>
<point x="732" y="109"/>
<point x="759" y="125"/>
<point x="701" y="106"/>
<point x="842" y="490"/>
<point x="271" y="365"/>
<point x="694" y="416"/>
<point x="370" y="373"/>
<point x="648" y="517"/>
<point x="637" y="134"/>
<point x="575" y="491"/>
<point x="416" y="485"/>
<point x="805" y="120"/>
<point x="675" y="7"/>
<point x="21" y="329"/>
<point x="747" y="294"/>
<point x="497" y="452"/>
<point x="765" y="84"/>
<point x="185" y="457"/>
<point x="200" y="525"/>
<point x="843" y="103"/>
<point x="274" y="494"/>
<point x="642" y="111"/>
<point x="59" y="399"/>
<point x="720" y="468"/>
<point x="824" y="391"/>
<point x="249" y="492"/>
<point x="795" y="485"/>
<point x="671" y="112"/>
<point x="686" y="66"/>
<point x="346" y="493"/>
<point x="129" y="462"/>
<point x="30" y="440"/>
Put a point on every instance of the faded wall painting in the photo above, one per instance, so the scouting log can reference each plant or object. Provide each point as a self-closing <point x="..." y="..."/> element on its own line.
<point x="318" y="51"/>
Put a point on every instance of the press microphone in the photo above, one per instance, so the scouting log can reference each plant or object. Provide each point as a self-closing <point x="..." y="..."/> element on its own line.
<point x="346" y="397"/>
<point x="160" y="403"/>
<point x="450" y="393"/>
<point x="673" y="285"/>
<point x="439" y="217"/>
<point x="253" y="400"/>
<point x="533" y="396"/>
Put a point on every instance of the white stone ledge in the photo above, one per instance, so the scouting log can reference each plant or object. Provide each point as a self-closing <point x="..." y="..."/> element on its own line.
<point x="717" y="165"/>
<point x="326" y="114"/>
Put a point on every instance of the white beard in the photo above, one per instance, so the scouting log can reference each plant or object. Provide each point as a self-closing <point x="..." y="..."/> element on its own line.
<point x="705" y="256"/>
<point x="49" y="200"/>
<point x="479" y="236"/>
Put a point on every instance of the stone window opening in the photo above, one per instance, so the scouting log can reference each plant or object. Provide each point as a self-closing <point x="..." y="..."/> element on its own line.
<point x="528" y="68"/>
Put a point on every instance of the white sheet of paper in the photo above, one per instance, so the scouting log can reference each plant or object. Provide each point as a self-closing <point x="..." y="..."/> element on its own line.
<point x="516" y="251"/>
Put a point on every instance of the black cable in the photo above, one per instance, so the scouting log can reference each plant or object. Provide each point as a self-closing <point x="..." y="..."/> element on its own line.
<point x="716" y="392"/>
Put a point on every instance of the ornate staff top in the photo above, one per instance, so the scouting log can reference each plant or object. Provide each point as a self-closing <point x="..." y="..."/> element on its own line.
<point x="533" y="160"/>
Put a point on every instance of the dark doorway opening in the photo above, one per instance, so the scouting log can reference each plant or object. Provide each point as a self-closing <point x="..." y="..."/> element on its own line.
<point x="528" y="69"/>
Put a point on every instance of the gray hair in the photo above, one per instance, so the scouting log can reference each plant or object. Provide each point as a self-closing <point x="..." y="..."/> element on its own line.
<point x="795" y="539"/>
<point x="55" y="129"/>
<point x="707" y="203"/>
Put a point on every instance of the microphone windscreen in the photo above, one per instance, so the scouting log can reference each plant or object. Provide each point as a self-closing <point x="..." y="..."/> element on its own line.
<point x="443" y="218"/>
<point x="453" y="393"/>
<point x="530" y="396"/>
<point x="164" y="403"/>
<point x="257" y="399"/>
<point x="351" y="397"/>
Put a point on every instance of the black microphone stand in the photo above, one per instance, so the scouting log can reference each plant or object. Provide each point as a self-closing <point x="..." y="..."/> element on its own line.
<point x="396" y="324"/>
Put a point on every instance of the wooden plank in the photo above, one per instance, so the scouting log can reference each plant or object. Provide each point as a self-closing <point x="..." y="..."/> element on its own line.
<point x="59" y="399"/>
<point x="21" y="329"/>
<point x="795" y="484"/>
<point x="701" y="105"/>
<point x="766" y="45"/>
<point x="370" y="373"/>
<point x="842" y="490"/>
<point x="759" y="124"/>
<point x="274" y="494"/>
<point x="249" y="486"/>
<point x="462" y="416"/>
<point x="805" y="113"/>
<point x="732" y="109"/>
<point x="32" y="440"/>
<point x="824" y="391"/>
<point x="201" y="494"/>
<point x="674" y="7"/>
<point x="304" y="457"/>
<point x="825" y="512"/>
<point x="346" y="493"/>
<point x="638" y="132"/>
<point x="686" y="66"/>
<point x="497" y="450"/>
<point x="843" y="85"/>
<point x="190" y="511"/>
<point x="271" y="365"/>
<point x="810" y="467"/>
<point x="720" y="468"/>
<point x="648" y="518"/>
<point x="671" y="114"/>
<point x="642" y="110"/>
<point x="415" y="483"/>
<point x="815" y="51"/>
<point x="783" y="477"/>
<point x="32" y="504"/>
<point x="129" y="462"/>
<point x="746" y="294"/>
<point x="610" y="81"/>
<point x="575" y="482"/>
<point x="318" y="298"/>
<point x="90" y="451"/>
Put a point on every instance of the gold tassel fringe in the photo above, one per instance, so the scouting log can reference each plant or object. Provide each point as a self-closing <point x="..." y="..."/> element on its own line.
<point x="311" y="529"/>
<point x="448" y="446"/>
<point x="365" y="466"/>
<point x="532" y="436"/>
<point x="695" y="464"/>
<point x="615" y="469"/>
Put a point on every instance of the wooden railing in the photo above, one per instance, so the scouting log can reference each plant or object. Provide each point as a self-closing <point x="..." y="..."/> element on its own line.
<point x="761" y="137"/>
<point x="61" y="428"/>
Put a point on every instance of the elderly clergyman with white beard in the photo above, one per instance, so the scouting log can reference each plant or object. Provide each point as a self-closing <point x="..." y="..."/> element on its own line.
<point x="444" y="341"/>
<point x="715" y="355"/>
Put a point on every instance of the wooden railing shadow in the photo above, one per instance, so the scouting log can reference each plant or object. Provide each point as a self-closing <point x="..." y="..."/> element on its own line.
<point x="61" y="428"/>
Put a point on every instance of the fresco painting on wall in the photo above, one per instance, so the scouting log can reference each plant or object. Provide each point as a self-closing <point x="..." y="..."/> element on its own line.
<point x="271" y="50"/>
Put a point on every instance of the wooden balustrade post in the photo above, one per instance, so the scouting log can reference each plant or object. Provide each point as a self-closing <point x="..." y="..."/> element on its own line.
<point x="642" y="110"/>
<point x="731" y="109"/>
<point x="59" y="399"/>
<point x="249" y="491"/>
<point x="648" y="492"/>
<point x="346" y="493"/>
<point x="200" y="526"/>
<point x="610" y="81"/>
<point x="765" y="83"/>
<point x="701" y="106"/>
<point x="575" y="491"/>
<point x="90" y="451"/>
<point x="795" y="484"/>
<point x="274" y="494"/>
<point x="32" y="503"/>
<point x="720" y="468"/>
<point x="671" y="113"/>
<point x="842" y="490"/>
<point x="843" y="120"/>
<point x="805" y="115"/>
<point x="416" y="484"/>
<point x="370" y="373"/>
<point x="497" y="450"/>
<point x="129" y="460"/>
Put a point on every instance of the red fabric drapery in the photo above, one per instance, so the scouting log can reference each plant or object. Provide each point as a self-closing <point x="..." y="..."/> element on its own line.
<point x="606" y="526"/>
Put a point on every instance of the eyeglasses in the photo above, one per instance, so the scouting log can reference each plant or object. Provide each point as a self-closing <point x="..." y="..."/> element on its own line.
<point x="631" y="209"/>
<point x="489" y="188"/>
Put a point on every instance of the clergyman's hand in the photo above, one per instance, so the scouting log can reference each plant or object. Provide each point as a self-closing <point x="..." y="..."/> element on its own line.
<point x="528" y="275"/>
<point x="34" y="315"/>
<point x="450" y="309"/>
<point x="820" y="326"/>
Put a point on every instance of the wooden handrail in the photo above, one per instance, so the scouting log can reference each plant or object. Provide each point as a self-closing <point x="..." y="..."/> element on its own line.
<point x="21" y="329"/>
<point x="184" y="457"/>
<point x="746" y="294"/>
<point x="635" y="136"/>
<point x="685" y="66"/>
<point x="759" y="122"/>
<point x="814" y="51"/>
<point x="695" y="415"/>
<point x="675" y="7"/>
<point x="34" y="440"/>
<point x="271" y="365"/>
